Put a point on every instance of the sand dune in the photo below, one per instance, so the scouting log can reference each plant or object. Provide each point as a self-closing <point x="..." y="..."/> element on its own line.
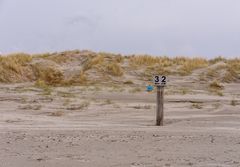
<point x="108" y="118"/>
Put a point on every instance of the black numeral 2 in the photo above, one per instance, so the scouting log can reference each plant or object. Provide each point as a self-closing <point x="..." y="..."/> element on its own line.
<point x="163" y="79"/>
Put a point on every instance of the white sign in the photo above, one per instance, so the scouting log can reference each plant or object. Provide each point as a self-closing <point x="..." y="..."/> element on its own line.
<point x="160" y="80"/>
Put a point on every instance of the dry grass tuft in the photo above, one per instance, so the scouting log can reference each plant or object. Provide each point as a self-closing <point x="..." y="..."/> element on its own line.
<point x="42" y="85"/>
<point x="191" y="64"/>
<point x="233" y="102"/>
<point x="14" y="68"/>
<point x="146" y="107"/>
<point x="128" y="82"/>
<point x="143" y="60"/>
<point x="97" y="60"/>
<point x="234" y="64"/>
<point x="156" y="69"/>
<point x="30" y="107"/>
<point x="82" y="77"/>
<point x="197" y="106"/>
<point x="57" y="114"/>
<point x="180" y="60"/>
<point x="89" y="67"/>
<point x="80" y="106"/>
<point x="65" y="94"/>
<point x="79" y="79"/>
<point x="216" y="85"/>
<point x="230" y="75"/>
<point x="162" y="64"/>
<point x="118" y="58"/>
<point x="217" y="59"/>
<point x="212" y="73"/>
<point x="216" y="88"/>
<point x="107" y="102"/>
<point x="114" y="69"/>
<point x="42" y="56"/>
<point x="184" y="91"/>
<point x="233" y="70"/>
<point x="222" y="72"/>
<point x="146" y="60"/>
<point x="19" y="58"/>
<point x="59" y="58"/>
<point x="50" y="75"/>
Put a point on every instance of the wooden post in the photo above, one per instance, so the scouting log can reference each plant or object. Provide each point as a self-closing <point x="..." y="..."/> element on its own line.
<point x="159" y="115"/>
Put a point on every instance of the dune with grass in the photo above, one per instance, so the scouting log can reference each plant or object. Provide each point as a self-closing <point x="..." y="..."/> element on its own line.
<point x="83" y="108"/>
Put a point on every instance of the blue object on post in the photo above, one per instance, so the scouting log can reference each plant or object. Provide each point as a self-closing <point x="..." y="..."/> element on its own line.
<point x="149" y="88"/>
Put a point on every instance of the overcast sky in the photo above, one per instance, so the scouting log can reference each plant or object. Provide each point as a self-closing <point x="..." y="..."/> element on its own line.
<point x="160" y="27"/>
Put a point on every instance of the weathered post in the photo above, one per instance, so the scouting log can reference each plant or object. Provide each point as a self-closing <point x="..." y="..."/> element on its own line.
<point x="159" y="113"/>
<point x="160" y="81"/>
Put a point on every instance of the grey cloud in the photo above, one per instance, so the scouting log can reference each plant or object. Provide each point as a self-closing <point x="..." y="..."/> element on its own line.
<point x="80" y="19"/>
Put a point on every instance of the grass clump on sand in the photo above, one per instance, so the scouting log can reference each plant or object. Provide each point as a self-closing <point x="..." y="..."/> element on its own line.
<point x="30" y="107"/>
<point x="14" y="68"/>
<point x="143" y="60"/>
<point x="113" y="57"/>
<point x="128" y="82"/>
<point x="146" y="60"/>
<point x="234" y="64"/>
<point x="50" y="75"/>
<point x="197" y="106"/>
<point x="156" y="69"/>
<point x="232" y="71"/>
<point x="212" y="73"/>
<point x="93" y="62"/>
<point x="146" y="107"/>
<point x="230" y="75"/>
<point x="59" y="58"/>
<point x="184" y="91"/>
<point x="78" y="79"/>
<point x="225" y="72"/>
<point x="42" y="85"/>
<point x="43" y="55"/>
<point x="185" y="65"/>
<point x="105" y="64"/>
<point x="118" y="58"/>
<point x="80" y="106"/>
<point x="114" y="69"/>
<point x="217" y="59"/>
<point x="57" y="114"/>
<point x="107" y="102"/>
<point x="216" y="87"/>
<point x="65" y="94"/>
<point x="233" y="102"/>
<point x="191" y="64"/>
<point x="16" y="58"/>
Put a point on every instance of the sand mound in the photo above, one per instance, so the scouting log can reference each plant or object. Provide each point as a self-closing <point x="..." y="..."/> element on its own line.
<point x="86" y="67"/>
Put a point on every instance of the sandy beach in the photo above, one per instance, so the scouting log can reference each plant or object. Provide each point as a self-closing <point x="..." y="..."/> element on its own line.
<point x="79" y="126"/>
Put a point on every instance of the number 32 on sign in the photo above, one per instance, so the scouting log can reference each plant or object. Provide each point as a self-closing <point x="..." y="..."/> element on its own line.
<point x="160" y="80"/>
